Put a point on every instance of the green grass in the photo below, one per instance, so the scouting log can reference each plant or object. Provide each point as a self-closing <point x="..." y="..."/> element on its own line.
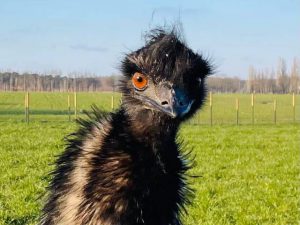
<point x="48" y="106"/>
<point x="248" y="175"/>
<point x="54" y="106"/>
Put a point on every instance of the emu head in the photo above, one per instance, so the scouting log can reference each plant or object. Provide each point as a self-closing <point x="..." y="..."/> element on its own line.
<point x="164" y="77"/>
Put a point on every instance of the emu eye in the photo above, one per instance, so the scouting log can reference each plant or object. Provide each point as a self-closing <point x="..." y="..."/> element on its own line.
<point x="139" y="81"/>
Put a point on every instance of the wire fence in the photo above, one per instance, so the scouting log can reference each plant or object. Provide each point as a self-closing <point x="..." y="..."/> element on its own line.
<point x="218" y="109"/>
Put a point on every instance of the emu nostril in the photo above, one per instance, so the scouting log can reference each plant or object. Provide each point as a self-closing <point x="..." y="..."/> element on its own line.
<point x="164" y="103"/>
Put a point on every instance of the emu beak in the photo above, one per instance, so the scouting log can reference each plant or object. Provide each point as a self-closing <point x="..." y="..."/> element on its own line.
<point x="173" y="101"/>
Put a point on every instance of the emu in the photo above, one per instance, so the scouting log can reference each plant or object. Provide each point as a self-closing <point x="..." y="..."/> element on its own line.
<point x="127" y="167"/>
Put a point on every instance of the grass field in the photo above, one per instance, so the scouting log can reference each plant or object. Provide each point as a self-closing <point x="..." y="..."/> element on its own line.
<point x="54" y="106"/>
<point x="247" y="174"/>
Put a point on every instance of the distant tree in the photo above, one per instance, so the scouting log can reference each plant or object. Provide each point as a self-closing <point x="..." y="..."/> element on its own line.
<point x="295" y="76"/>
<point x="282" y="77"/>
<point x="251" y="79"/>
<point x="271" y="82"/>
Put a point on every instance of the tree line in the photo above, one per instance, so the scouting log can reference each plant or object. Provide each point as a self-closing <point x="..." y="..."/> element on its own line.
<point x="281" y="80"/>
<point x="13" y="81"/>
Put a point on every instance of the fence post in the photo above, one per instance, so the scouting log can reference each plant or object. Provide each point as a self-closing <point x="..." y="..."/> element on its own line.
<point x="27" y="107"/>
<point x="252" y="107"/>
<point x="28" y="104"/>
<point x="274" y="108"/>
<point x="69" y="107"/>
<point x="294" y="111"/>
<point x="112" y="102"/>
<point x="210" y="105"/>
<point x="237" y="106"/>
<point x="75" y="105"/>
<point x="121" y="99"/>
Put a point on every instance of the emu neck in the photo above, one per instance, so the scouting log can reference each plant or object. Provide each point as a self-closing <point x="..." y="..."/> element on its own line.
<point x="151" y="128"/>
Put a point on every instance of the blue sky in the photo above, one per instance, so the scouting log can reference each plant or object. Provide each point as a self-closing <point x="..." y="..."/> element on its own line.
<point x="92" y="36"/>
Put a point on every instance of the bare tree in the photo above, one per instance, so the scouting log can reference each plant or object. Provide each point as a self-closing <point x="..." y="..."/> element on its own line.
<point x="295" y="77"/>
<point x="251" y="79"/>
<point x="282" y="77"/>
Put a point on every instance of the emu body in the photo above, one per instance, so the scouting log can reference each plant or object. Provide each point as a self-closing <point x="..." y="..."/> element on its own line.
<point x="127" y="168"/>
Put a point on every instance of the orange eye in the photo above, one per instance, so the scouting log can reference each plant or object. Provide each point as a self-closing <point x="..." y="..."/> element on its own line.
<point x="139" y="81"/>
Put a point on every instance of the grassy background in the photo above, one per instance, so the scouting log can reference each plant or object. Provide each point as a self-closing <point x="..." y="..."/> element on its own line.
<point x="49" y="106"/>
<point x="248" y="175"/>
<point x="54" y="106"/>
